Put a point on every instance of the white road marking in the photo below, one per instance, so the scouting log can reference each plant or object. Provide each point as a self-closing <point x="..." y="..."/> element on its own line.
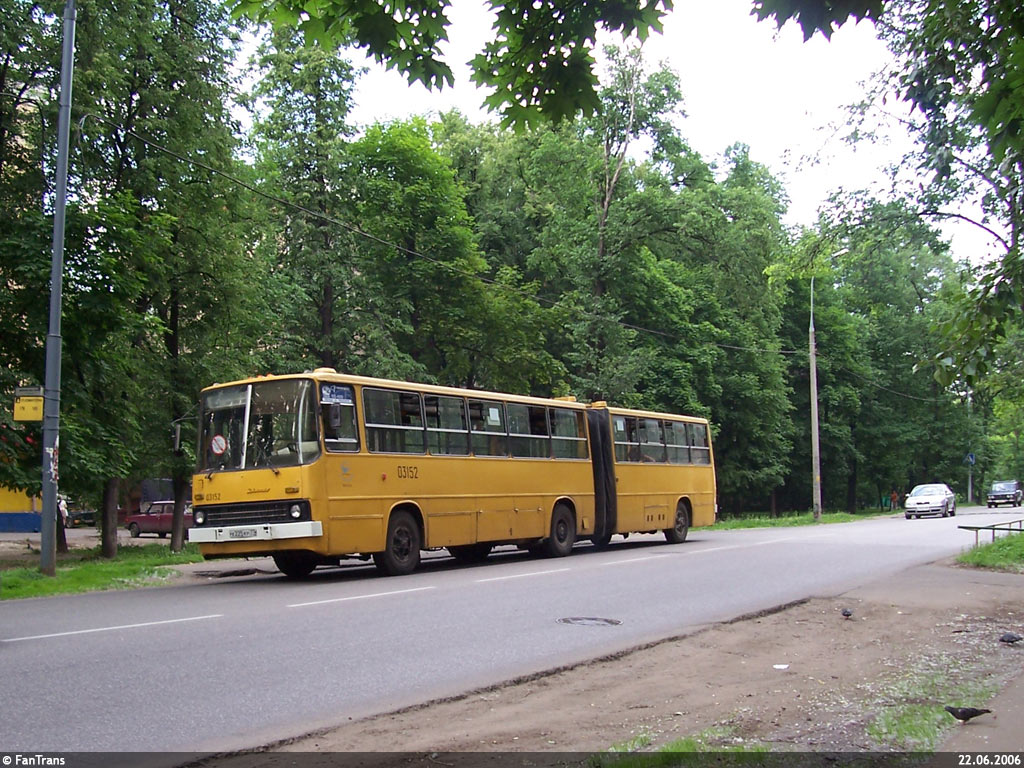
<point x="111" y="629"/>
<point x="634" y="560"/>
<point x="522" y="575"/>
<point x="359" y="597"/>
<point x="741" y="546"/>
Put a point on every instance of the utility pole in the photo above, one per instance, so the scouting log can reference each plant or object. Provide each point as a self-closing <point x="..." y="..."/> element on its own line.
<point x="51" y="388"/>
<point x="815" y="458"/>
<point x="813" y="363"/>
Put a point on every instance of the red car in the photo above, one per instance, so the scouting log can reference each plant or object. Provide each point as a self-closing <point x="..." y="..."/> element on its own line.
<point x="156" y="517"/>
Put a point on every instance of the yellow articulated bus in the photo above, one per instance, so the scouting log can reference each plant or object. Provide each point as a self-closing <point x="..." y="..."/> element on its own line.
<point x="316" y="467"/>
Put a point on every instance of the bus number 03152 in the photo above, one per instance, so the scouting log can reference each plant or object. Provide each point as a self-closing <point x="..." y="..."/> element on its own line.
<point x="408" y="472"/>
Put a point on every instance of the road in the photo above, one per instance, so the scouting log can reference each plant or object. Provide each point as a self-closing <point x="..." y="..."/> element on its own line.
<point x="233" y="664"/>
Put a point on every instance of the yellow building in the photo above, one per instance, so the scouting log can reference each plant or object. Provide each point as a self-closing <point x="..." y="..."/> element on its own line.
<point x="19" y="512"/>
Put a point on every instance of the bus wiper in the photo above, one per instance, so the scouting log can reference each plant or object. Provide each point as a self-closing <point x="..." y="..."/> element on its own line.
<point x="263" y="458"/>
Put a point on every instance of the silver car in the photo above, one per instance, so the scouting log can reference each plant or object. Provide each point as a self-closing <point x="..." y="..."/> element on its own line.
<point x="930" y="499"/>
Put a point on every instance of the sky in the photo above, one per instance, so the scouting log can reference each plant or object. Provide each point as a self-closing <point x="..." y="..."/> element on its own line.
<point x="742" y="81"/>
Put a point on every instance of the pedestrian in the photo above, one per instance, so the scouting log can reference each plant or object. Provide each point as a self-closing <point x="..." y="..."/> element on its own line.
<point x="62" y="505"/>
<point x="894" y="499"/>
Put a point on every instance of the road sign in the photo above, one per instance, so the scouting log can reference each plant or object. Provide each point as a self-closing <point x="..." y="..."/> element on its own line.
<point x="969" y="459"/>
<point x="28" y="408"/>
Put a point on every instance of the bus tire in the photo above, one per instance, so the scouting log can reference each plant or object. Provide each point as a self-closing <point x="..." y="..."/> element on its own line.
<point x="402" y="547"/>
<point x="677" y="533"/>
<point x="563" y="532"/>
<point x="601" y="542"/>
<point x="296" y="565"/>
<point x="470" y="553"/>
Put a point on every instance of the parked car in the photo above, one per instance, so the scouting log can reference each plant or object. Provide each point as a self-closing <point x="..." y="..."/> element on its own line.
<point x="1005" y="492"/>
<point x="930" y="499"/>
<point x="155" y="517"/>
<point x="77" y="517"/>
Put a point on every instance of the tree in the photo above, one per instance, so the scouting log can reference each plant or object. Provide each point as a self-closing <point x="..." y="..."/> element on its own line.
<point x="151" y="237"/>
<point x="960" y="66"/>
<point x="538" y="65"/>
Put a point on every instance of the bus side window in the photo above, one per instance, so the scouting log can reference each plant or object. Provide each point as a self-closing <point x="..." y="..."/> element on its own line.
<point x="394" y="421"/>
<point x="339" y="414"/>
<point x="447" y="426"/>
<point x="528" y="430"/>
<point x="568" y="435"/>
<point x="700" y="453"/>
<point x="676" y="440"/>
<point x="627" y="442"/>
<point x="652" y="441"/>
<point x="487" y="423"/>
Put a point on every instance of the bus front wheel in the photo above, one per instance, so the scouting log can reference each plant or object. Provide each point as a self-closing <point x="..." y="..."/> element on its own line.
<point x="563" y="532"/>
<point x="295" y="565"/>
<point x="402" y="548"/>
<point x="677" y="533"/>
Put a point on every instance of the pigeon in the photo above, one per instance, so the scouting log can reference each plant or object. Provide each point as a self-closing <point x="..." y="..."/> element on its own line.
<point x="1010" y="638"/>
<point x="963" y="714"/>
<point x="847" y="613"/>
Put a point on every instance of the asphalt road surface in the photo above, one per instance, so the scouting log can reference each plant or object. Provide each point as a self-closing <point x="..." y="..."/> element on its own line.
<point x="233" y="664"/>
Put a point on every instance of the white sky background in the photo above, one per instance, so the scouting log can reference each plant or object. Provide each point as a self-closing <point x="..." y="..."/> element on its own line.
<point x="742" y="81"/>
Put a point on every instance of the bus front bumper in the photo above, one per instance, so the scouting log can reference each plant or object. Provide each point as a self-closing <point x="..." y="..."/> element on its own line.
<point x="266" y="532"/>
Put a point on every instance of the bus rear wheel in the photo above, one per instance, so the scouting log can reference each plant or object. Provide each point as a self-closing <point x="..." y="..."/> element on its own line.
<point x="677" y="533"/>
<point x="563" y="532"/>
<point x="296" y="565"/>
<point x="402" y="548"/>
<point x="470" y="553"/>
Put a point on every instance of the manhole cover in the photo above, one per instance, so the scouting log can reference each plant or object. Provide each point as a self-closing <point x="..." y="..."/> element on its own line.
<point x="590" y="621"/>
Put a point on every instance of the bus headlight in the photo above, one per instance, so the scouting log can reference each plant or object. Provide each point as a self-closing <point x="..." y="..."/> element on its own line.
<point x="198" y="517"/>
<point x="295" y="511"/>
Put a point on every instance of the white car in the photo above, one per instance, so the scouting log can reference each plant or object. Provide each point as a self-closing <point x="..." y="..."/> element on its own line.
<point x="930" y="499"/>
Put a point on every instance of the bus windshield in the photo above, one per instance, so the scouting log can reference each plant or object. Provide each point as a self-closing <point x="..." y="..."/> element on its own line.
<point x="264" y="424"/>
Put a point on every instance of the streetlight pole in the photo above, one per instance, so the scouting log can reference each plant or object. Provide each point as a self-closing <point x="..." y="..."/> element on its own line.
<point x="813" y="363"/>
<point x="51" y="390"/>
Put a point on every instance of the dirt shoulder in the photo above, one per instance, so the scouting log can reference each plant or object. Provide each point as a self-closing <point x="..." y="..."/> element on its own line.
<point x="801" y="678"/>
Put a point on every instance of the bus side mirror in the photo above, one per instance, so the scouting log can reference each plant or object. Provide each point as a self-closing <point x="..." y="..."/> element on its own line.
<point x="333" y="414"/>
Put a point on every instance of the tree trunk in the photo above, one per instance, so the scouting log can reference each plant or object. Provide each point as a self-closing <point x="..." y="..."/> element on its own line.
<point x="851" y="489"/>
<point x="178" y="521"/>
<point x="108" y="538"/>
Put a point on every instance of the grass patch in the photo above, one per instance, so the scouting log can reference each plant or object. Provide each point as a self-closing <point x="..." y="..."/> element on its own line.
<point x="790" y="520"/>
<point x="912" y="715"/>
<point x="1006" y="553"/>
<point x="87" y="571"/>
<point x="702" y="749"/>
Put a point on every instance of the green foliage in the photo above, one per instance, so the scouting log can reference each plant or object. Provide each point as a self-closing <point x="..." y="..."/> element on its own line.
<point x="89" y="571"/>
<point x="789" y="519"/>
<point x="823" y="16"/>
<point x="1006" y="553"/>
<point x="538" y="64"/>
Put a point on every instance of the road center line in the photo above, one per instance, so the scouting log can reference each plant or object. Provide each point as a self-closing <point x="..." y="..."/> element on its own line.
<point x="111" y="629"/>
<point x="742" y="546"/>
<point x="634" y="560"/>
<point x="522" y="575"/>
<point x="359" y="597"/>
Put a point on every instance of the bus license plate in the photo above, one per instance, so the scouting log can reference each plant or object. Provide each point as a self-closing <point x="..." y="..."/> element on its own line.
<point x="242" y="533"/>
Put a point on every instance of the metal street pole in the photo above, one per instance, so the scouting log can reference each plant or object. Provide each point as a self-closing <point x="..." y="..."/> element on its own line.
<point x="815" y="457"/>
<point x="51" y="389"/>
